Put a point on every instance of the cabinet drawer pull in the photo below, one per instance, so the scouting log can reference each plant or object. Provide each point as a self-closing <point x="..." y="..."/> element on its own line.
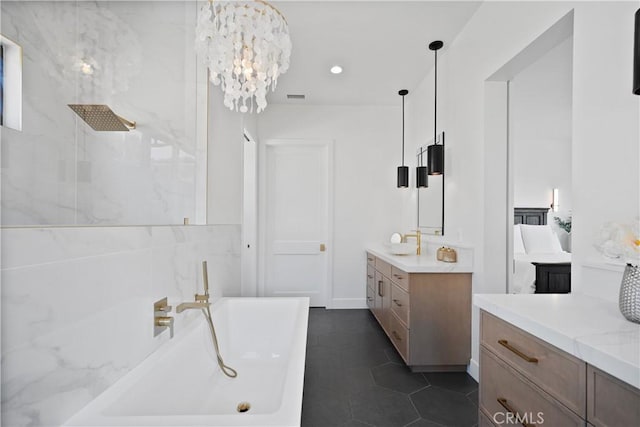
<point x="369" y="259"/>
<point x="380" y="288"/>
<point x="395" y="301"/>
<point x="396" y="335"/>
<point x="503" y="402"/>
<point x="369" y="276"/>
<point x="369" y="299"/>
<point x="397" y="276"/>
<point x="506" y="344"/>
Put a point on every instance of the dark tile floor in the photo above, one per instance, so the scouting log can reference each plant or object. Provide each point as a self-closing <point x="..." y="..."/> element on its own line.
<point x="354" y="377"/>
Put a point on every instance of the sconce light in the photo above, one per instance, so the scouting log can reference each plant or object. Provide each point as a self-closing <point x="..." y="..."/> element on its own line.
<point x="422" y="175"/>
<point x="555" y="205"/>
<point x="403" y="171"/>
<point x="636" y="56"/>
<point x="435" y="152"/>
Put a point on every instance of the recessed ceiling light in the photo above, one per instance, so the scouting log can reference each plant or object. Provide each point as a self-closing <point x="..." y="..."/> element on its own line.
<point x="336" y="69"/>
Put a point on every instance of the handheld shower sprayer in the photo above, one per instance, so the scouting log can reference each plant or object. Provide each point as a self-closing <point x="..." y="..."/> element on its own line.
<point x="205" y="279"/>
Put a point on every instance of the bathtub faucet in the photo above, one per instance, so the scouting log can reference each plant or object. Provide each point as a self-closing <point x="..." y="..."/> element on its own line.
<point x="201" y="300"/>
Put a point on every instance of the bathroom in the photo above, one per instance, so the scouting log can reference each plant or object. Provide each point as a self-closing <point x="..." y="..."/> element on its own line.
<point x="97" y="226"/>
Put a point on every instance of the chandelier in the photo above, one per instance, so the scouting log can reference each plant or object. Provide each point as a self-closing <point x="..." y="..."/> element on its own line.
<point x="246" y="46"/>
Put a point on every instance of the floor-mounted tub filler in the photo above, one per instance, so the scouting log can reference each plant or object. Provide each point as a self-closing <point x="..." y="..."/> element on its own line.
<point x="181" y="385"/>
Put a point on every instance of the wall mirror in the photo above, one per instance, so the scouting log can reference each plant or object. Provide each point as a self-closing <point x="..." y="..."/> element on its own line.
<point x="431" y="198"/>
<point x="135" y="60"/>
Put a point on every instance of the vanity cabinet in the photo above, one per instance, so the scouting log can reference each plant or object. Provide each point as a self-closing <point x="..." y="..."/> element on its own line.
<point x="525" y="376"/>
<point x="427" y="316"/>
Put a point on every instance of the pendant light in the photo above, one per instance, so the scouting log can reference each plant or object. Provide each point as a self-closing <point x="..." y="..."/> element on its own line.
<point x="403" y="171"/>
<point x="435" y="152"/>
<point x="422" y="176"/>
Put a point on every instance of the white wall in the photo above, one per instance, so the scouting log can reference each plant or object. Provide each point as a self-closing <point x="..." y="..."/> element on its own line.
<point x="605" y="114"/>
<point x="368" y="206"/>
<point x="540" y="126"/>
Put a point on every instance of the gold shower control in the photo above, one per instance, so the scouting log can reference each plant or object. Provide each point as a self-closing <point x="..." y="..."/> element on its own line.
<point x="161" y="320"/>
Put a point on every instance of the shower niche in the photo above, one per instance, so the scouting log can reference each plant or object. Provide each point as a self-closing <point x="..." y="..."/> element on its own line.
<point x="140" y="157"/>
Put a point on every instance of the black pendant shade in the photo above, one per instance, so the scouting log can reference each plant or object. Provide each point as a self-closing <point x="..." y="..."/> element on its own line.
<point x="422" y="177"/>
<point x="636" y="56"/>
<point x="403" y="171"/>
<point x="435" y="159"/>
<point x="403" y="176"/>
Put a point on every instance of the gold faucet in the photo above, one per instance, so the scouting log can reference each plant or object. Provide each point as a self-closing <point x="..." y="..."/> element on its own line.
<point x="201" y="300"/>
<point x="191" y="306"/>
<point x="418" y="236"/>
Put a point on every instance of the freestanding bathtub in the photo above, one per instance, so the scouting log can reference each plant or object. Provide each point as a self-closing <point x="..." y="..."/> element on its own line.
<point x="180" y="385"/>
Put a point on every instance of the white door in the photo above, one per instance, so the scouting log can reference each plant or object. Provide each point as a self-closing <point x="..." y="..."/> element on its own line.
<point x="295" y="221"/>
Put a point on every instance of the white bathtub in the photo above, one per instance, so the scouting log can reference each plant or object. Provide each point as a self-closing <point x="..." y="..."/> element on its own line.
<point x="180" y="385"/>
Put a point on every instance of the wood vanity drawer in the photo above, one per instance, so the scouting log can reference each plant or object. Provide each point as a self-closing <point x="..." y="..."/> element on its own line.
<point x="400" y="278"/>
<point x="483" y="420"/>
<point x="383" y="267"/>
<point x="371" y="272"/>
<point x="611" y="402"/>
<point x="400" y="304"/>
<point x="558" y="373"/>
<point x="371" y="298"/>
<point x="399" y="336"/>
<point x="371" y="260"/>
<point x="504" y="391"/>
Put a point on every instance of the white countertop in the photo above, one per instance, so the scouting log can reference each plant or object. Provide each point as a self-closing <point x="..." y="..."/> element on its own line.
<point x="589" y="328"/>
<point x="425" y="263"/>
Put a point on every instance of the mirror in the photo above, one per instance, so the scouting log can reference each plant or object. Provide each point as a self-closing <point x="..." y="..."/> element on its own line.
<point x="431" y="199"/>
<point x="137" y="61"/>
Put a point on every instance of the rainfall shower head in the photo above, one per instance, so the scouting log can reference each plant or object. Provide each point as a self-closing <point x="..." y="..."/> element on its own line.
<point x="101" y="118"/>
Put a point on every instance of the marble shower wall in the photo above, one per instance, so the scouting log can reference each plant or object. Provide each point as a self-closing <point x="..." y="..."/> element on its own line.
<point x="77" y="306"/>
<point x="136" y="57"/>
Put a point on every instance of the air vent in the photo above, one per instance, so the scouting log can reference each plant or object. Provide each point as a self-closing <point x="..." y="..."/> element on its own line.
<point x="290" y="96"/>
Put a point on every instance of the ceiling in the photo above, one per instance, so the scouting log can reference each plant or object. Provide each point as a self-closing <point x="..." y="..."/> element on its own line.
<point x="381" y="45"/>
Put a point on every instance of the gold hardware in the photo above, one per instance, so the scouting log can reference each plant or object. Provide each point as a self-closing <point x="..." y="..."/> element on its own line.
<point x="192" y="306"/>
<point x="160" y="319"/>
<point x="185" y="221"/>
<point x="397" y="303"/>
<point x="418" y="236"/>
<point x="396" y="335"/>
<point x="322" y="247"/>
<point x="101" y="118"/>
<point x="201" y="298"/>
<point x="164" y="321"/>
<point x="506" y="344"/>
<point x="503" y="402"/>
<point x="440" y="254"/>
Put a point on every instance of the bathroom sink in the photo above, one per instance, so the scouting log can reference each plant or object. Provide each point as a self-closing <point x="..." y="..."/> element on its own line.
<point x="405" y="248"/>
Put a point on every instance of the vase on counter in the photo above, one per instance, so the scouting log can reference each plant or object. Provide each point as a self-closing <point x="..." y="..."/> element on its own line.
<point x="630" y="293"/>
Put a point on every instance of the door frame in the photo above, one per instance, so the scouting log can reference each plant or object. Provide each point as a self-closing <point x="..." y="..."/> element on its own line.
<point x="262" y="221"/>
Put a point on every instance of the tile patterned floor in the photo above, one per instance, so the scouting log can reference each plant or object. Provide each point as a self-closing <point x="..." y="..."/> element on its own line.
<point x="355" y="378"/>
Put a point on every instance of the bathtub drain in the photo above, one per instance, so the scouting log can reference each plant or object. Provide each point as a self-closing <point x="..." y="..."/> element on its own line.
<point x="243" y="407"/>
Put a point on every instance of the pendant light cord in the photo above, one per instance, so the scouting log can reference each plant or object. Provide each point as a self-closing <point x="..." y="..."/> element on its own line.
<point x="435" y="97"/>
<point x="402" y="130"/>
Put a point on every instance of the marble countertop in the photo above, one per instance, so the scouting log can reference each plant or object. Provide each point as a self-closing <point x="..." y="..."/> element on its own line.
<point x="589" y="328"/>
<point x="425" y="263"/>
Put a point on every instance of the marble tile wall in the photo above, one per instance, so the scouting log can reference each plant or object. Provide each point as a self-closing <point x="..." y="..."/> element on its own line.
<point x="77" y="306"/>
<point x="139" y="59"/>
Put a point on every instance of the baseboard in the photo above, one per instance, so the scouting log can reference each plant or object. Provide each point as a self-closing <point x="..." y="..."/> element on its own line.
<point x="346" y="303"/>
<point x="474" y="370"/>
